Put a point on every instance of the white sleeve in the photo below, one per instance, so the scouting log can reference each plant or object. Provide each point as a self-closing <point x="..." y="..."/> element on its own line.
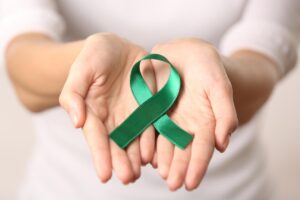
<point x="24" y="16"/>
<point x="270" y="27"/>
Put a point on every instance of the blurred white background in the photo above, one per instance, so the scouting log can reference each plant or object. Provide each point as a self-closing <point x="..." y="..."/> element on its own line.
<point x="280" y="136"/>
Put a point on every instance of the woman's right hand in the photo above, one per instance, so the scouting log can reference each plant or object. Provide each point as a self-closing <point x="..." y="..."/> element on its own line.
<point x="98" y="98"/>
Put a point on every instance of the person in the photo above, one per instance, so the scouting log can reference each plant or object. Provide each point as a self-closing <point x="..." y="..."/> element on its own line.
<point x="229" y="54"/>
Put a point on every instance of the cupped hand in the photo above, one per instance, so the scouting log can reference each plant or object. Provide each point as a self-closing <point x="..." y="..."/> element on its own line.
<point x="204" y="108"/>
<point x="98" y="98"/>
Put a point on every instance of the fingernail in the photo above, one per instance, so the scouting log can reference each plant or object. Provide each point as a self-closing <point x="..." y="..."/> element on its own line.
<point x="75" y="120"/>
<point x="74" y="117"/>
<point x="226" y="143"/>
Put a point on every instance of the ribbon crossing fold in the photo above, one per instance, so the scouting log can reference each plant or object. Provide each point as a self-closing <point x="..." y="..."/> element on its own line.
<point x="152" y="108"/>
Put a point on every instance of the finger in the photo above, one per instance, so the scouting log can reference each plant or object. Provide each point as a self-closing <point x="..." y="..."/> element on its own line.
<point x="165" y="151"/>
<point x="202" y="150"/>
<point x="154" y="160"/>
<point x="121" y="164"/>
<point x="179" y="167"/>
<point x="147" y="145"/>
<point x="133" y="152"/>
<point x="147" y="139"/>
<point x="74" y="92"/>
<point x="147" y="71"/>
<point x="225" y="114"/>
<point x="161" y="71"/>
<point x="97" y="139"/>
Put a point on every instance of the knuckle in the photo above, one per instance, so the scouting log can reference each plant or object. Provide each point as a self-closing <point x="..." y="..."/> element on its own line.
<point x="211" y="51"/>
<point x="205" y="48"/>
<point x="232" y="124"/>
<point x="235" y="124"/>
<point x="102" y="37"/>
<point x="228" y="87"/>
<point x="182" y="160"/>
<point x="133" y="154"/>
<point x="233" y="120"/>
<point x="156" y="47"/>
<point x="205" y="142"/>
<point x="98" y="36"/>
<point x="118" y="155"/>
<point x="62" y="99"/>
<point x="159" y="47"/>
<point x="94" y="38"/>
<point x="222" y="84"/>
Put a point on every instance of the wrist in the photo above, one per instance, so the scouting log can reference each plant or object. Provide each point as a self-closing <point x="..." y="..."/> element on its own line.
<point x="38" y="68"/>
<point x="251" y="67"/>
<point x="253" y="77"/>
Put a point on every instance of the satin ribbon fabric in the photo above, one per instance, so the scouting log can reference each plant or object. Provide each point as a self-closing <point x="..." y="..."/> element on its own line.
<point x="152" y="108"/>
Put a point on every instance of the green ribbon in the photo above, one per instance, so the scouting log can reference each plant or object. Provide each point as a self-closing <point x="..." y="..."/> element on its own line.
<point x="152" y="109"/>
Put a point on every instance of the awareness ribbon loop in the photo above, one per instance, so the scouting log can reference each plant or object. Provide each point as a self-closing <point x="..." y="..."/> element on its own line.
<point x="152" y="109"/>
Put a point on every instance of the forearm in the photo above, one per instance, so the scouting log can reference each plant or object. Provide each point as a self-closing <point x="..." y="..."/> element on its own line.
<point x="253" y="77"/>
<point x="38" y="68"/>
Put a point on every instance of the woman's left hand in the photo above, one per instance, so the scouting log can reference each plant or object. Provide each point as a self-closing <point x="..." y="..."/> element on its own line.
<point x="204" y="108"/>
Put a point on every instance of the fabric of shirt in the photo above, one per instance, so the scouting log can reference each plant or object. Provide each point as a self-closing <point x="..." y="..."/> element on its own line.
<point x="61" y="167"/>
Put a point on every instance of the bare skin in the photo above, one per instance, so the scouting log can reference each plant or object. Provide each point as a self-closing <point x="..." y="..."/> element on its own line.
<point x="92" y="86"/>
<point x="205" y="107"/>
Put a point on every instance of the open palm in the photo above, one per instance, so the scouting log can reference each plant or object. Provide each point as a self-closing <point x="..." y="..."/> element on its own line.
<point x="204" y="108"/>
<point x="98" y="97"/>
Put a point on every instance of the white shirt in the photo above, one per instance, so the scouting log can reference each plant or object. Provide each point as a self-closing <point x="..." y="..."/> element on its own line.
<point x="61" y="167"/>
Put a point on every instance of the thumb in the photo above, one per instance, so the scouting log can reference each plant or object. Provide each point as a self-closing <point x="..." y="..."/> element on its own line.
<point x="74" y="92"/>
<point x="225" y="115"/>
